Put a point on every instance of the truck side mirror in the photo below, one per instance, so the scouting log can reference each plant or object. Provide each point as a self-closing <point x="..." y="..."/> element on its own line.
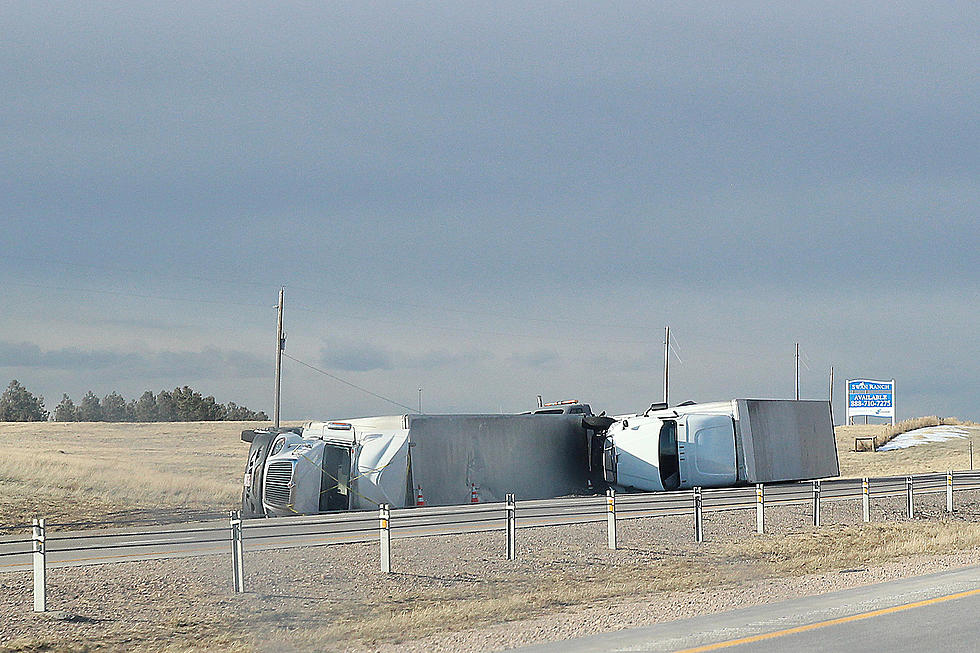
<point x="597" y="423"/>
<point x="609" y="462"/>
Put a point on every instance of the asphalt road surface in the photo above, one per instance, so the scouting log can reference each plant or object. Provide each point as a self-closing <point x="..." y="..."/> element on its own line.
<point x="934" y="612"/>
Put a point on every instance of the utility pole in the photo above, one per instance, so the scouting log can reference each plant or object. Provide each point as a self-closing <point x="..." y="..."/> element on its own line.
<point x="280" y="345"/>
<point x="420" y="401"/>
<point x="831" y="394"/>
<point x="797" y="371"/>
<point x="666" y="359"/>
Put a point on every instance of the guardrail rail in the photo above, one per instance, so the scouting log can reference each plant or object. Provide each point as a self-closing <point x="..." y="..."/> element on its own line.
<point x="48" y="547"/>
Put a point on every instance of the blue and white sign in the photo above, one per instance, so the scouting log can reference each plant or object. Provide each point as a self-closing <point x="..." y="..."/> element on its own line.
<point x="870" y="397"/>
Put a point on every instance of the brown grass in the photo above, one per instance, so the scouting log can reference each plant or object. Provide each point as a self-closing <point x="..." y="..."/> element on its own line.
<point x="81" y="472"/>
<point x="466" y="606"/>
<point x="385" y="611"/>
<point x="933" y="457"/>
<point x="78" y="471"/>
<point x="716" y="565"/>
<point x="868" y="544"/>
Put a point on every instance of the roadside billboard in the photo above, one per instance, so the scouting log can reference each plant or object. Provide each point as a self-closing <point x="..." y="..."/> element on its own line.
<point x="870" y="397"/>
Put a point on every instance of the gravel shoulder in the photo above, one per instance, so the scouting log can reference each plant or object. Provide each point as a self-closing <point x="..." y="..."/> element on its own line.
<point x="459" y="593"/>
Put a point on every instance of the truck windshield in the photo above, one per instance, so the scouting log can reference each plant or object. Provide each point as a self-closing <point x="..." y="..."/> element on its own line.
<point x="669" y="471"/>
<point x="335" y="479"/>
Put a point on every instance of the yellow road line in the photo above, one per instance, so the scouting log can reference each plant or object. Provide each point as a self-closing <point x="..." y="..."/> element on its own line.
<point x="831" y="622"/>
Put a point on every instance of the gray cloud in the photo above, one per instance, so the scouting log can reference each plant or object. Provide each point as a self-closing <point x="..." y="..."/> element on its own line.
<point x="466" y="139"/>
<point x="366" y="357"/>
<point x="209" y="362"/>
<point x="356" y="357"/>
<point x="548" y="359"/>
<point x="634" y="163"/>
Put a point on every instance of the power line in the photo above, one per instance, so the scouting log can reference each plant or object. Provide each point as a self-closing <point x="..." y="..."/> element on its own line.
<point x="675" y="348"/>
<point x="460" y="311"/>
<point x="463" y="311"/>
<point x="384" y="302"/>
<point x="346" y="382"/>
<point x="124" y="293"/>
<point x="320" y="291"/>
<point x="155" y="274"/>
<point x="470" y="330"/>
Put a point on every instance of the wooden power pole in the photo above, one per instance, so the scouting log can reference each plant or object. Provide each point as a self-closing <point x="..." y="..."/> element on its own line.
<point x="279" y="347"/>
<point x="666" y="360"/>
<point x="797" y="371"/>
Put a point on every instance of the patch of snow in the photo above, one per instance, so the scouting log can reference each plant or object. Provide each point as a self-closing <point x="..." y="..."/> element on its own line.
<point x="924" y="436"/>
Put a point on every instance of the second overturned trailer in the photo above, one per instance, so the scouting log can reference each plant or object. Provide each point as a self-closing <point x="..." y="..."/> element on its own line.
<point x="718" y="444"/>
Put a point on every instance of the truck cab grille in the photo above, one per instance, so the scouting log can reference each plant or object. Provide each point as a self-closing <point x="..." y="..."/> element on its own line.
<point x="277" y="480"/>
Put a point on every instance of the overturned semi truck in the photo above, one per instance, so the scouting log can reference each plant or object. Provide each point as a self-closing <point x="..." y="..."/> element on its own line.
<point x="718" y="444"/>
<point x="405" y="460"/>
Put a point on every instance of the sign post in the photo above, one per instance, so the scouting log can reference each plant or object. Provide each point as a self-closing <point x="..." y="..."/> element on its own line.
<point x="871" y="398"/>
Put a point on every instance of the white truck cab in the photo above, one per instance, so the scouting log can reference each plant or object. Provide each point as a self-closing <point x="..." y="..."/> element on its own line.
<point x="336" y="466"/>
<point x="671" y="451"/>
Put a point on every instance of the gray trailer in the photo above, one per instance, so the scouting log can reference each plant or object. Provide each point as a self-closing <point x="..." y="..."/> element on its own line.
<point x="408" y="460"/>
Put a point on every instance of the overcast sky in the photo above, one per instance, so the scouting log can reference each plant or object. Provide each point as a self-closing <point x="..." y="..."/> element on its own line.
<point x="491" y="201"/>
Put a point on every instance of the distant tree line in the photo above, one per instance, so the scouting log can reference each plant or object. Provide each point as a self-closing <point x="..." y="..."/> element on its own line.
<point x="18" y="404"/>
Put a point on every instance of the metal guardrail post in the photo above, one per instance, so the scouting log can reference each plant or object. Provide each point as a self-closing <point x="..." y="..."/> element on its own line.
<point x="40" y="570"/>
<point x="908" y="488"/>
<point x="866" y="498"/>
<point x="611" y="517"/>
<point x="816" y="503"/>
<point x="511" y="527"/>
<point x="384" y="517"/>
<point x="238" y="568"/>
<point x="760" y="509"/>
<point x="698" y="516"/>
<point x="949" y="491"/>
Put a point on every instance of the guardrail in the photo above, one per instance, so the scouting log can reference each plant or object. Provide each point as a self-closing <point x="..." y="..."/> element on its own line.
<point x="47" y="548"/>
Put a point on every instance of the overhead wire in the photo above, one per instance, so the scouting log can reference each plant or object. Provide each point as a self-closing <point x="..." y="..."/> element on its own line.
<point x="346" y="382"/>
<point x="674" y="349"/>
<point x="125" y="293"/>
<point x="397" y="302"/>
<point x="320" y="291"/>
<point x="475" y="332"/>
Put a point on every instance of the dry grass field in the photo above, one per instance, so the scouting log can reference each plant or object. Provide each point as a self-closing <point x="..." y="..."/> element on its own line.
<point x="75" y="472"/>
<point x="79" y="472"/>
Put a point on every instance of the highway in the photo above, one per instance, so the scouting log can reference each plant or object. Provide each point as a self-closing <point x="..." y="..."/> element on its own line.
<point x="916" y="614"/>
